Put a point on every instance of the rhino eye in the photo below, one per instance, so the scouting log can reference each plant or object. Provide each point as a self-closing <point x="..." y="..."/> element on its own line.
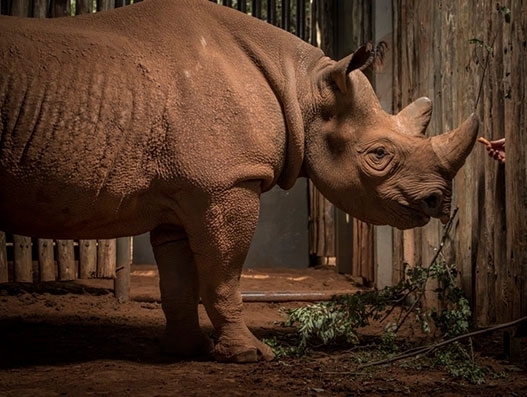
<point x="378" y="159"/>
<point x="380" y="153"/>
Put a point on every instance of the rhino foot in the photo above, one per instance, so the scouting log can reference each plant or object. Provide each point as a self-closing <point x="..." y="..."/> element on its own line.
<point x="198" y="346"/>
<point x="242" y="350"/>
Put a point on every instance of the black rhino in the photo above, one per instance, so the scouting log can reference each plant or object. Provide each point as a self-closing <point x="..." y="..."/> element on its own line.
<point x="173" y="117"/>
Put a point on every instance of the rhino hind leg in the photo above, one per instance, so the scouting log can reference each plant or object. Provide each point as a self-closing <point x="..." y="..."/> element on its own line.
<point x="178" y="282"/>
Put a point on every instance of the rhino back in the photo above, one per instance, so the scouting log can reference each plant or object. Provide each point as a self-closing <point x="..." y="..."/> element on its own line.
<point x="104" y="117"/>
<point x="70" y="116"/>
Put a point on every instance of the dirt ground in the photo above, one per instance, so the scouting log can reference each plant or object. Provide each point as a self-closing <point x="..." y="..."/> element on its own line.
<point x="77" y="340"/>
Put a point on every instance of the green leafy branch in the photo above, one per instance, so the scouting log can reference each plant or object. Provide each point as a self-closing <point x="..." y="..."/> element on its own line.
<point x="342" y="317"/>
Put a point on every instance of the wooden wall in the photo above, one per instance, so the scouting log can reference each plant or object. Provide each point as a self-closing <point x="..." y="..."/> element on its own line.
<point x="434" y="57"/>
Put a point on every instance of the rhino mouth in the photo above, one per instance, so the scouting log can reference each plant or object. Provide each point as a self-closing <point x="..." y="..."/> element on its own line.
<point x="416" y="215"/>
<point x="421" y="217"/>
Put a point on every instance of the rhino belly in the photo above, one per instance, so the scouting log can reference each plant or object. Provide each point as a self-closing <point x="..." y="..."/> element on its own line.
<point x="68" y="210"/>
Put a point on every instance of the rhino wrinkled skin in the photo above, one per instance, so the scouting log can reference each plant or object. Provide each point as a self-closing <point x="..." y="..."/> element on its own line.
<point x="173" y="117"/>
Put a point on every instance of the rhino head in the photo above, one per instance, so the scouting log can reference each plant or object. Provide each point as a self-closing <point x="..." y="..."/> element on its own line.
<point x="378" y="167"/>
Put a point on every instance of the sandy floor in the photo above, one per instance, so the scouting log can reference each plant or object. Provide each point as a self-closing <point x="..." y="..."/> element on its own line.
<point x="73" y="341"/>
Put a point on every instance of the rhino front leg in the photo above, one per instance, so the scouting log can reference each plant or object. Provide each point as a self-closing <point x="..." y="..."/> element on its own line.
<point x="220" y="246"/>
<point x="178" y="282"/>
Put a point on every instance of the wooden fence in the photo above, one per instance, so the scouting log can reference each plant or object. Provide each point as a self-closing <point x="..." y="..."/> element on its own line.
<point x="23" y="259"/>
<point x="456" y="51"/>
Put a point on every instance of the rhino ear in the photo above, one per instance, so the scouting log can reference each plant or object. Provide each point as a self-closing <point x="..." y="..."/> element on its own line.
<point x="361" y="59"/>
<point x="416" y="116"/>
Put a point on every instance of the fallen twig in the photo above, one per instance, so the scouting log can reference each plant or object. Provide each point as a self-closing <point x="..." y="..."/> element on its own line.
<point x="428" y="349"/>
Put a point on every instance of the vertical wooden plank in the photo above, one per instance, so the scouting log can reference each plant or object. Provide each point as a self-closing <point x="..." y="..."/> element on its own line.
<point x="256" y="8"/>
<point x="286" y="15"/>
<point x="300" y="26"/>
<point x="40" y="8"/>
<point x="60" y="8"/>
<point x="515" y="114"/>
<point x="463" y="198"/>
<point x="241" y="5"/>
<point x="87" y="259"/>
<point x="20" y="8"/>
<point x="398" y="257"/>
<point x="105" y="5"/>
<point x="46" y="261"/>
<point x="22" y="257"/>
<point x="487" y="276"/>
<point x="123" y="269"/>
<point x="344" y="242"/>
<point x="4" y="271"/>
<point x="271" y="11"/>
<point x="66" y="260"/>
<point x="106" y="258"/>
<point x="84" y="7"/>
<point x="321" y="226"/>
<point x="362" y="251"/>
<point x="408" y="253"/>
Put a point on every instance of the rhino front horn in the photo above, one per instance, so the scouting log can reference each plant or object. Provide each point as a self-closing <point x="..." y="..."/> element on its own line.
<point x="454" y="146"/>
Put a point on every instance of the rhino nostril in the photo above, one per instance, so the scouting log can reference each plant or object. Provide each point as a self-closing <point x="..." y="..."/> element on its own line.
<point x="433" y="201"/>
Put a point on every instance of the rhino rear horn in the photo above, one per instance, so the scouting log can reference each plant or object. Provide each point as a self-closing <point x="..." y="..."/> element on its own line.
<point x="416" y="116"/>
<point x="361" y="59"/>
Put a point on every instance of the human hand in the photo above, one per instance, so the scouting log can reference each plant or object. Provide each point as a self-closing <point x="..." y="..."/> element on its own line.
<point x="496" y="149"/>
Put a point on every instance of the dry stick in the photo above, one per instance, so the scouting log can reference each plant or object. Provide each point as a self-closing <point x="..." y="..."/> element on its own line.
<point x="428" y="349"/>
<point x="487" y="59"/>
<point x="448" y="226"/>
<point x="438" y="252"/>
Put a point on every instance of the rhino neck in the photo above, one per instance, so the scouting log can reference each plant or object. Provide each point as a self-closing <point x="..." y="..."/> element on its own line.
<point x="296" y="98"/>
<point x="290" y="81"/>
<point x="287" y="63"/>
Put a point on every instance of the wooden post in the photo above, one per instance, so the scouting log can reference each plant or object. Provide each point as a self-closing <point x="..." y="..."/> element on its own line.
<point x="84" y="7"/>
<point x="20" y="8"/>
<point x="123" y="269"/>
<point x="87" y="259"/>
<point x="40" y="8"/>
<point x="66" y="260"/>
<point x="106" y="257"/>
<point x="60" y="8"/>
<point x="344" y="246"/>
<point x="321" y="226"/>
<point x="4" y="273"/>
<point x="23" y="260"/>
<point x="46" y="261"/>
<point x="105" y="5"/>
<point x="362" y="251"/>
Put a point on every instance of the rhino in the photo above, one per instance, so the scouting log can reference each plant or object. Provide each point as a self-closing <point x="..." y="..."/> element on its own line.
<point x="173" y="117"/>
